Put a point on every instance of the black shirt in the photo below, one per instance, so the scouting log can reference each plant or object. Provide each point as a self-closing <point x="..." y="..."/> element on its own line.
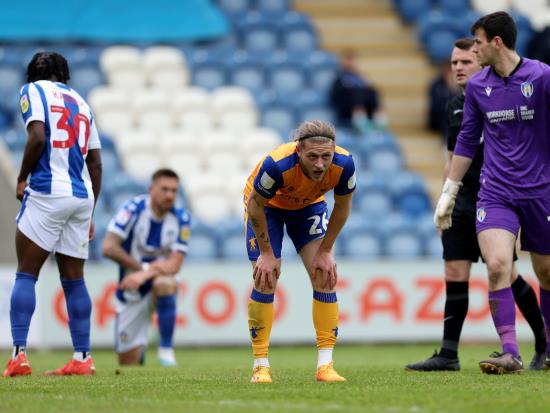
<point x="455" y="112"/>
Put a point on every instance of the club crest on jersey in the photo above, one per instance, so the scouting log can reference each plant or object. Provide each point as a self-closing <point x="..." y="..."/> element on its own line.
<point x="24" y="102"/>
<point x="185" y="233"/>
<point x="527" y="89"/>
<point x="481" y="214"/>
<point x="488" y="90"/>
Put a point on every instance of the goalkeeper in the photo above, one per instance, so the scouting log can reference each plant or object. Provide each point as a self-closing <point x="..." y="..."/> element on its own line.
<point x="460" y="246"/>
<point x="507" y="101"/>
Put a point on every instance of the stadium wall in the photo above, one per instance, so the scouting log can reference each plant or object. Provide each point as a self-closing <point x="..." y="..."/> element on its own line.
<point x="379" y="302"/>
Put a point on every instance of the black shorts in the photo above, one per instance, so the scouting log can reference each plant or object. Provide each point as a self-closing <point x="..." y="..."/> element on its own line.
<point x="460" y="241"/>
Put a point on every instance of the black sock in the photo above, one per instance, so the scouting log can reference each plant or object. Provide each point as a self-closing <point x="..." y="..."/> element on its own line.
<point x="456" y="308"/>
<point x="526" y="300"/>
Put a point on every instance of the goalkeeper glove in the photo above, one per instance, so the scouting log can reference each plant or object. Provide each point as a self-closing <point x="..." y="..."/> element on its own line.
<point x="445" y="205"/>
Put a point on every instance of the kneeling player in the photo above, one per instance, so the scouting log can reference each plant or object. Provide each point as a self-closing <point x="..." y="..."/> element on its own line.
<point x="148" y="239"/>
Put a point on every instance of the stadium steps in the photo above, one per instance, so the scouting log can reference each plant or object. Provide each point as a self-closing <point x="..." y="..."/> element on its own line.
<point x="10" y="206"/>
<point x="391" y="57"/>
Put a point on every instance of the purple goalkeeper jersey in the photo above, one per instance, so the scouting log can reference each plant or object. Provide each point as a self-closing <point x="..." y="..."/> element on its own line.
<point x="513" y="114"/>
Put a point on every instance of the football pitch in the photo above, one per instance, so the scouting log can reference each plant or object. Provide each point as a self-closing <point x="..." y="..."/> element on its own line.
<point x="217" y="380"/>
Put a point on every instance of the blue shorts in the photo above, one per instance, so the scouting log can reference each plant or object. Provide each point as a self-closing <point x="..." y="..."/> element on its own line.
<point x="302" y="226"/>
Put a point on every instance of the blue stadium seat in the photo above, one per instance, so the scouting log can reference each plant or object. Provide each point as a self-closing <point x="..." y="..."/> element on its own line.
<point x="440" y="44"/>
<point x="84" y="78"/>
<point x="321" y="68"/>
<point x="385" y="162"/>
<point x="297" y="33"/>
<point x="279" y="116"/>
<point x="6" y="119"/>
<point x="437" y="20"/>
<point x="257" y="34"/>
<point x="406" y="182"/>
<point x="403" y="245"/>
<point x="425" y="225"/>
<point x="434" y="247"/>
<point x="110" y="162"/>
<point x="234" y="9"/>
<point x="247" y="72"/>
<point x="15" y="138"/>
<point x="273" y="8"/>
<point x="409" y="193"/>
<point x="234" y="247"/>
<point x="369" y="182"/>
<point x="209" y="75"/>
<point x="454" y="7"/>
<point x="287" y="79"/>
<point x="202" y="246"/>
<point x="393" y="222"/>
<point x="410" y="11"/>
<point x="414" y="204"/>
<point x="375" y="142"/>
<point x="522" y="41"/>
<point x="11" y="80"/>
<point x="220" y="49"/>
<point x="10" y="55"/>
<point x="373" y="204"/>
<point x="317" y="111"/>
<point x="363" y="246"/>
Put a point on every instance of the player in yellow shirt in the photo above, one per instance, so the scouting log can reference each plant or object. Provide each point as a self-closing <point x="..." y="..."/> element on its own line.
<point x="287" y="188"/>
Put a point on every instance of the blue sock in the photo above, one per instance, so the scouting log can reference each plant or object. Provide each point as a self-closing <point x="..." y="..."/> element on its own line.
<point x="79" y="309"/>
<point x="166" y="310"/>
<point x="23" y="302"/>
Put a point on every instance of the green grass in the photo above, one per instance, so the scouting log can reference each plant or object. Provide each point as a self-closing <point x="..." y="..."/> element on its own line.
<point x="217" y="379"/>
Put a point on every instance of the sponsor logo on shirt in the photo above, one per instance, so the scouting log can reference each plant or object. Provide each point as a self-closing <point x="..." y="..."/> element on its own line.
<point x="266" y="181"/>
<point x="527" y="89"/>
<point x="496" y="116"/>
<point x="488" y="90"/>
<point x="457" y="111"/>
<point x="481" y="214"/>
<point x="526" y="113"/>
<point x="24" y="102"/>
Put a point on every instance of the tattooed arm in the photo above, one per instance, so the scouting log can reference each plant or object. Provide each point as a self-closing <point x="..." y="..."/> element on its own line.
<point x="267" y="268"/>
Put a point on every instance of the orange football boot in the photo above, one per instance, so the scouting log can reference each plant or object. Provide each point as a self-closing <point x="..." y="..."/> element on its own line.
<point x="74" y="368"/>
<point x="18" y="366"/>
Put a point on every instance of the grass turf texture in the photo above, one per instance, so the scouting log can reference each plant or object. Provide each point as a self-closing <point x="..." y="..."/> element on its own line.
<point x="217" y="379"/>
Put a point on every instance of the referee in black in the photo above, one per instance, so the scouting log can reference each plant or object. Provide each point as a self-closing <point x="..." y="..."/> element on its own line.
<point x="460" y="246"/>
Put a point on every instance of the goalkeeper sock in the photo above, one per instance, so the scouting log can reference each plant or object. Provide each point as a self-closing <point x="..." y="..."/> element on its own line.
<point x="260" y="320"/>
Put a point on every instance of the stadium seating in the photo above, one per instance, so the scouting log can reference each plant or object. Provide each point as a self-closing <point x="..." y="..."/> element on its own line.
<point x="211" y="109"/>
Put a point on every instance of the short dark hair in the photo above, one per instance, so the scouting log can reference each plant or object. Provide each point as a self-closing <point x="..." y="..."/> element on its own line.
<point x="164" y="172"/>
<point x="499" y="24"/>
<point x="45" y="65"/>
<point x="464" y="43"/>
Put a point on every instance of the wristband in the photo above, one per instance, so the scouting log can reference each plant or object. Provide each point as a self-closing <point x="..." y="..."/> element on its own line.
<point x="145" y="266"/>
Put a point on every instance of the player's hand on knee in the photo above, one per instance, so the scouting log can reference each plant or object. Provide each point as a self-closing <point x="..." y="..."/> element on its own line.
<point x="266" y="272"/>
<point x="133" y="281"/>
<point x="445" y="205"/>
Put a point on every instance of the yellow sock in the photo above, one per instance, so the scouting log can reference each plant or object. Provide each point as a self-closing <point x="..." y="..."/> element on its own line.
<point x="325" y="318"/>
<point x="260" y="320"/>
